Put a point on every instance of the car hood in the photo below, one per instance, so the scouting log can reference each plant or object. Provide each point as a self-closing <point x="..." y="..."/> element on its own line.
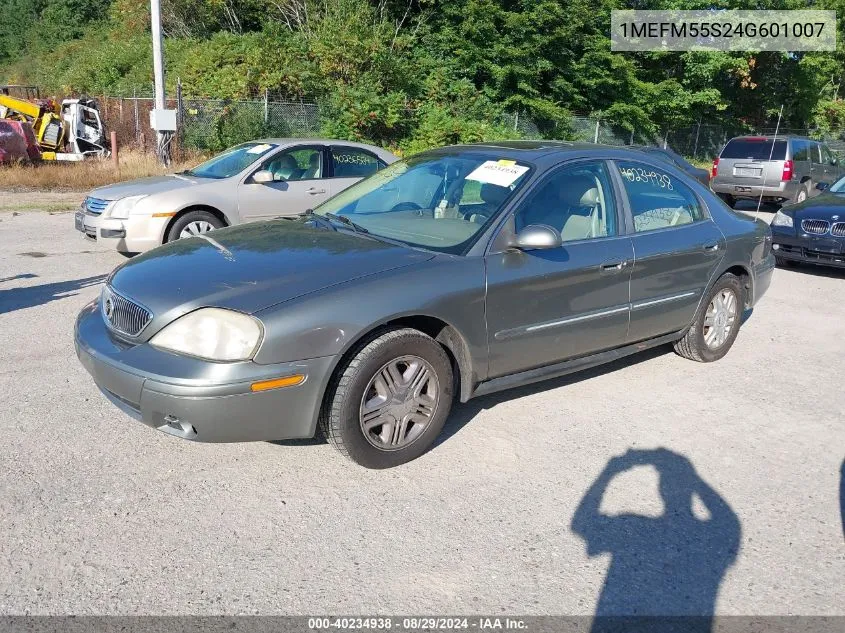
<point x="822" y="207"/>
<point x="252" y="267"/>
<point x="145" y="186"/>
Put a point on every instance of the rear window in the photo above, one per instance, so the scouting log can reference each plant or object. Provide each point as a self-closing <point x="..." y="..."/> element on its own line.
<point x="759" y="149"/>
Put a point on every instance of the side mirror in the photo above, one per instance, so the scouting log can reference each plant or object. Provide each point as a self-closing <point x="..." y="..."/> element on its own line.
<point x="262" y="177"/>
<point x="834" y="161"/>
<point x="821" y="186"/>
<point x="536" y="237"/>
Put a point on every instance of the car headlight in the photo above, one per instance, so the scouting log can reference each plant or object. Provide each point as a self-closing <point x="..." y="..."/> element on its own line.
<point x="213" y="334"/>
<point x="781" y="219"/>
<point x="121" y="209"/>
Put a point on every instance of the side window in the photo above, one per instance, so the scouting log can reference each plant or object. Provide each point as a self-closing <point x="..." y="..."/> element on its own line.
<point x="817" y="152"/>
<point x="577" y="201"/>
<point x="827" y="157"/>
<point x="658" y="200"/>
<point x="351" y="162"/>
<point x="304" y="163"/>
<point x="800" y="150"/>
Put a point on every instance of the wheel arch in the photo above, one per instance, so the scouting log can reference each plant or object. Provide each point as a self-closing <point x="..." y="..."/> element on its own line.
<point x="743" y="272"/>
<point x="194" y="207"/>
<point x="447" y="335"/>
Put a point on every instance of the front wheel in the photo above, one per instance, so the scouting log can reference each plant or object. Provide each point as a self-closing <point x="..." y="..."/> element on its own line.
<point x="716" y="324"/>
<point x="388" y="403"/>
<point x="192" y="224"/>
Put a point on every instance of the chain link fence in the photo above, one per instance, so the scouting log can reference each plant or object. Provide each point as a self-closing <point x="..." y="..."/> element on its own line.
<point x="211" y="125"/>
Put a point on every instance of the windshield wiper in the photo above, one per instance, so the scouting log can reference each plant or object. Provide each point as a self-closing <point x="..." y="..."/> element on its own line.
<point x="346" y="221"/>
<point x="310" y="215"/>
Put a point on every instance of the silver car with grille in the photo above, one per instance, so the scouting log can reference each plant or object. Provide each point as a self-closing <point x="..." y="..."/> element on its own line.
<point x="259" y="180"/>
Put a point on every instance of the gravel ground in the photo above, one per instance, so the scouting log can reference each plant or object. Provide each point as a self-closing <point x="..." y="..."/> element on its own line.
<point x="103" y="515"/>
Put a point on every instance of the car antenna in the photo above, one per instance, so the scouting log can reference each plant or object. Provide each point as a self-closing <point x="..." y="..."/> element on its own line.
<point x="771" y="153"/>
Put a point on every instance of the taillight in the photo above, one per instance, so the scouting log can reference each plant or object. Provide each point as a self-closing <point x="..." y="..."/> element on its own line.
<point x="787" y="170"/>
<point x="715" y="170"/>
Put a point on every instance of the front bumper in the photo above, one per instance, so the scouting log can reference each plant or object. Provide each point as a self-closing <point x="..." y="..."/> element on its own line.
<point x="823" y="251"/>
<point x="779" y="192"/>
<point x="195" y="399"/>
<point x="136" y="234"/>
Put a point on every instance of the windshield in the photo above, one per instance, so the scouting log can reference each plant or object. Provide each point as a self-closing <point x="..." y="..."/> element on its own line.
<point x="755" y="148"/>
<point x="435" y="202"/>
<point x="232" y="161"/>
<point x="838" y="186"/>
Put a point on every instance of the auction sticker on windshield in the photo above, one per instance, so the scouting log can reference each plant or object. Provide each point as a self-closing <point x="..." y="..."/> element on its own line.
<point x="498" y="172"/>
<point x="259" y="149"/>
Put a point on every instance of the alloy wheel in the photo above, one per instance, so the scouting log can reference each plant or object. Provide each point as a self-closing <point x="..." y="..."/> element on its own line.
<point x="720" y="318"/>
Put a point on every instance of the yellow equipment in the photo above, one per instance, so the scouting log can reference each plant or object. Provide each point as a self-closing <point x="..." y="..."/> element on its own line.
<point x="46" y="122"/>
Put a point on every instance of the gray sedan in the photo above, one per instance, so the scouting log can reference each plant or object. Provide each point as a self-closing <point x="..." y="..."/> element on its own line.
<point x="452" y="274"/>
<point x="258" y="180"/>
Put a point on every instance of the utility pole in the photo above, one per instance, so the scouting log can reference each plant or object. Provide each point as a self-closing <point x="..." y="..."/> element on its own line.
<point x="162" y="137"/>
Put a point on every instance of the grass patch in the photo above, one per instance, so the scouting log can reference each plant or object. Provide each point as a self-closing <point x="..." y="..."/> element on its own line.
<point x="85" y="175"/>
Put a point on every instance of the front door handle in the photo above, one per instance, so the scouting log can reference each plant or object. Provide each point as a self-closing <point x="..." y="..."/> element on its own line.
<point x="711" y="247"/>
<point x="314" y="191"/>
<point x="613" y="267"/>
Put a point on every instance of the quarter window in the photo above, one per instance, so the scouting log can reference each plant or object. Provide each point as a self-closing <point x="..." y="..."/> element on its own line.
<point x="577" y="201"/>
<point x="351" y="162"/>
<point x="658" y="200"/>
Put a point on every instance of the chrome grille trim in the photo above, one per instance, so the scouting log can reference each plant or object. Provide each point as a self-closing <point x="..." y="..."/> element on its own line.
<point x="815" y="227"/>
<point x="123" y="315"/>
<point x="95" y="206"/>
<point x="838" y="229"/>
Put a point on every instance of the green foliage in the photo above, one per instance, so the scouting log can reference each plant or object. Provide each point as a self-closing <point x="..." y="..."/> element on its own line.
<point x="412" y="74"/>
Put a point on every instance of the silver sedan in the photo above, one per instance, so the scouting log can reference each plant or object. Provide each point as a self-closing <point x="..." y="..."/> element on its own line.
<point x="259" y="180"/>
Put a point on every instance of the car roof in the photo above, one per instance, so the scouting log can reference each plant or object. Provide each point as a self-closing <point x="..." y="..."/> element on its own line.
<point x="770" y="137"/>
<point x="537" y="151"/>
<point x="313" y="141"/>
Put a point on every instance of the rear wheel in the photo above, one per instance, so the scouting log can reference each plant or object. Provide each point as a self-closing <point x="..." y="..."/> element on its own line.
<point x="802" y="195"/>
<point x="389" y="402"/>
<point x="716" y="324"/>
<point x="192" y="224"/>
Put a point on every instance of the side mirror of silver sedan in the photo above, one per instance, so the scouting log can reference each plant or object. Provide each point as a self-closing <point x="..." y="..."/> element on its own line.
<point x="263" y="176"/>
<point x="536" y="237"/>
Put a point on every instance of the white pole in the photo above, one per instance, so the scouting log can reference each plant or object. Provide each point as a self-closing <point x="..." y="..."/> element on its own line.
<point x="158" y="67"/>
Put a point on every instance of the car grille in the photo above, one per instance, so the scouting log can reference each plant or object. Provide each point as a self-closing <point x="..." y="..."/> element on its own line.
<point x="838" y="229"/>
<point x="123" y="315"/>
<point x="815" y="227"/>
<point x="95" y="206"/>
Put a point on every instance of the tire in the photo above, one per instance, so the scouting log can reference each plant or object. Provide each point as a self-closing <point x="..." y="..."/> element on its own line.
<point x="801" y="195"/>
<point x="728" y="199"/>
<point x="694" y="345"/>
<point x="196" y="218"/>
<point x="360" y="381"/>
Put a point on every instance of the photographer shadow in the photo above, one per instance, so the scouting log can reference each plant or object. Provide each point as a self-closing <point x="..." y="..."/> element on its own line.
<point x="665" y="571"/>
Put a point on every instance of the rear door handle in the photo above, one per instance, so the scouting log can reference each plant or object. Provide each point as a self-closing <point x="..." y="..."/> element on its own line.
<point x="613" y="267"/>
<point x="314" y="191"/>
<point x="711" y="247"/>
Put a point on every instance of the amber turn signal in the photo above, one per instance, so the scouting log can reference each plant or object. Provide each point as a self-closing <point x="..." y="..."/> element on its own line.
<point x="276" y="383"/>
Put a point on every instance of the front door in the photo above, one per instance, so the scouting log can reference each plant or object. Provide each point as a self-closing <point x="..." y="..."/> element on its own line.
<point x="545" y="306"/>
<point x="298" y="185"/>
<point x="676" y="250"/>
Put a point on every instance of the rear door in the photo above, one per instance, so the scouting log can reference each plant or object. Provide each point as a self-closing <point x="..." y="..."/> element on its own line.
<point x="545" y="306"/>
<point x="299" y="184"/>
<point x="349" y="164"/>
<point x="676" y="249"/>
<point x="745" y="162"/>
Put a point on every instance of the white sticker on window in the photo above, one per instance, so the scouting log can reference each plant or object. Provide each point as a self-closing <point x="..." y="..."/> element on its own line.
<point x="258" y="149"/>
<point x="498" y="172"/>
